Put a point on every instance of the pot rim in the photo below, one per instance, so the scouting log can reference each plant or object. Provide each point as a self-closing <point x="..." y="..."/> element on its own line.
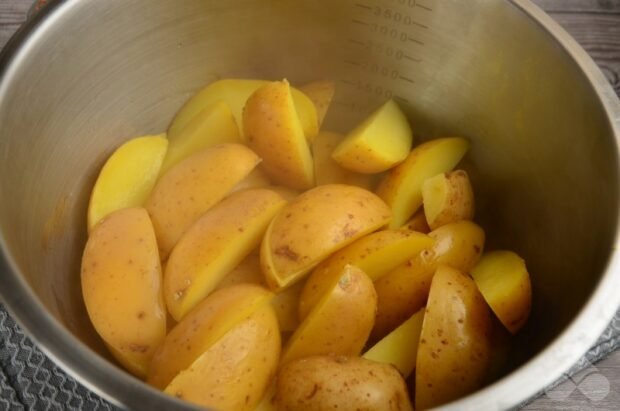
<point x="124" y="390"/>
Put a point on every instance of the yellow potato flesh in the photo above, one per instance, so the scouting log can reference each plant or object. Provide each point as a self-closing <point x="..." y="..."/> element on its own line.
<point x="400" y="347"/>
<point x="401" y="189"/>
<point x="503" y="280"/>
<point x="234" y="373"/>
<point x="376" y="254"/>
<point x="212" y="126"/>
<point x="381" y="141"/>
<point x="405" y="290"/>
<point x="272" y="129"/>
<point x="322" y="383"/>
<point x="235" y="93"/>
<point x="316" y="224"/>
<point x="447" y="198"/>
<point x="327" y="171"/>
<point x="454" y="350"/>
<point x="215" y="245"/>
<point x="127" y="177"/>
<point x="340" y="323"/>
<point x="202" y="328"/>
<point x="192" y="187"/>
<point x="321" y="93"/>
<point x="121" y="285"/>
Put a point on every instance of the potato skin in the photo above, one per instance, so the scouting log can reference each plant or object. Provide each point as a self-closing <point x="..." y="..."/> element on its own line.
<point x="215" y="245"/>
<point x="401" y="188"/>
<point x="404" y="291"/>
<point x="192" y="187"/>
<point x="234" y="373"/>
<point x="376" y="254"/>
<point x="455" y="343"/>
<point x="273" y="130"/>
<point x="202" y="328"/>
<point x="454" y="202"/>
<point x="340" y="323"/>
<point x="122" y="287"/>
<point x="346" y="383"/>
<point x="316" y="224"/>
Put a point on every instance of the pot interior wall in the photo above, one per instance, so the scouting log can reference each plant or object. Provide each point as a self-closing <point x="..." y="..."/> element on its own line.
<point x="98" y="73"/>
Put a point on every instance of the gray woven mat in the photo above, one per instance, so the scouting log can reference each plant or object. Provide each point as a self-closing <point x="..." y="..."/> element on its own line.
<point x="30" y="381"/>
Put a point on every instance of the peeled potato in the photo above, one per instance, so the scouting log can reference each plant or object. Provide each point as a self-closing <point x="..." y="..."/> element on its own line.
<point x="322" y="383"/>
<point x="313" y="226"/>
<point x="212" y="126"/>
<point x="202" y="328"/>
<point x="340" y="323"/>
<point x="127" y="177"/>
<point x="376" y="254"/>
<point x="215" y="245"/>
<point x="379" y="143"/>
<point x="273" y="130"/>
<point x="234" y="373"/>
<point x="404" y="291"/>
<point x="121" y="285"/>
<point x="321" y="93"/>
<point x="400" y="347"/>
<point x="454" y="349"/>
<point x="235" y="93"/>
<point x="401" y="189"/>
<point x="192" y="187"/>
<point x="447" y="198"/>
<point x="503" y="280"/>
<point x="327" y="171"/>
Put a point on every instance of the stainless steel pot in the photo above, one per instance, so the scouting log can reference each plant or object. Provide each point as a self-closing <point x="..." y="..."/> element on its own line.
<point x="545" y="126"/>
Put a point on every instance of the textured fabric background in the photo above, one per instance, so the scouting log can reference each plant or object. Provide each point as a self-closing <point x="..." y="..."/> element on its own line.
<point x="31" y="381"/>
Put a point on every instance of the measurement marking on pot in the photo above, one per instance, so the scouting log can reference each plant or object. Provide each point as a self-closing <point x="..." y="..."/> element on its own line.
<point x="414" y="59"/>
<point x="360" y="22"/>
<point x="363" y="6"/>
<point x="358" y="42"/>
<point x="395" y="16"/>
<point x="421" y="43"/>
<point x="423" y="7"/>
<point x="349" y="82"/>
<point x="401" y="99"/>
<point x="407" y="79"/>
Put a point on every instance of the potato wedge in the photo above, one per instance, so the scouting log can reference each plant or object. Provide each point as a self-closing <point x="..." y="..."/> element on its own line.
<point x="379" y="143"/>
<point x="202" y="328"/>
<point x="215" y="245"/>
<point x="400" y="347"/>
<point x="192" y="187"/>
<point x="273" y="130"/>
<point x="321" y="93"/>
<point x="235" y="93"/>
<point x="127" y="177"/>
<point x="340" y="323"/>
<point x="454" y="349"/>
<point x="121" y="285"/>
<point x="285" y="304"/>
<point x="322" y="383"/>
<point x="401" y="189"/>
<point x="375" y="254"/>
<point x="234" y="373"/>
<point x="212" y="126"/>
<point x="287" y="193"/>
<point x="327" y="171"/>
<point x="315" y="225"/>
<point x="404" y="291"/>
<point x="503" y="280"/>
<point x="418" y="223"/>
<point x="448" y="198"/>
